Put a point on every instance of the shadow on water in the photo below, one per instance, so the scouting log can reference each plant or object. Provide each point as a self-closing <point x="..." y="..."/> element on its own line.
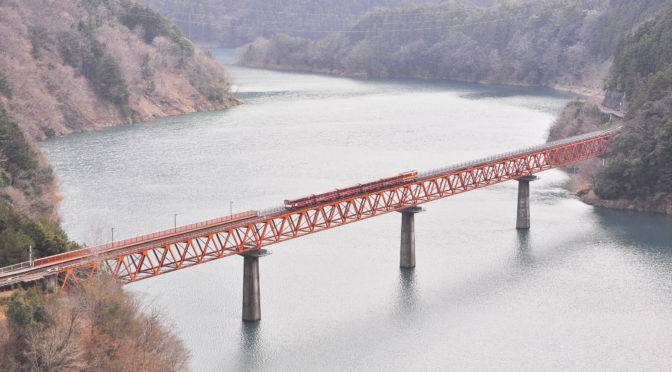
<point x="251" y="351"/>
<point x="409" y="302"/>
<point x="652" y="232"/>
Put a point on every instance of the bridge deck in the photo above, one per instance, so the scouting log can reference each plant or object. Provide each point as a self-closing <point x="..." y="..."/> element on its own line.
<point x="154" y="254"/>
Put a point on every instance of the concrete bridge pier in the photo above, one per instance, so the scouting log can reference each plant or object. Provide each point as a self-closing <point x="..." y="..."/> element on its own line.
<point x="408" y="237"/>
<point x="523" y="215"/>
<point x="50" y="281"/>
<point x="251" y="293"/>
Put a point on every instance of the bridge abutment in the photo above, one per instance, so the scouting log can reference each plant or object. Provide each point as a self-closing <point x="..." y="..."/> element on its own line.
<point x="407" y="252"/>
<point x="251" y="292"/>
<point x="523" y="213"/>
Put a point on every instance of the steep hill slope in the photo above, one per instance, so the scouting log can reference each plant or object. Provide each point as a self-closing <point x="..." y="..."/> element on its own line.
<point x="638" y="176"/>
<point x="75" y="65"/>
<point x="94" y="327"/>
<point x="27" y="199"/>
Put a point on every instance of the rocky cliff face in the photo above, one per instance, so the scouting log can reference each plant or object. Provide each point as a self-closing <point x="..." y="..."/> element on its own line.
<point x="77" y="65"/>
<point x="616" y="100"/>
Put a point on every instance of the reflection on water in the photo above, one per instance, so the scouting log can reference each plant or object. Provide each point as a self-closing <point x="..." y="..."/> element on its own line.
<point x="649" y="231"/>
<point x="523" y="239"/>
<point x="501" y="91"/>
<point x="523" y="253"/>
<point x="583" y="289"/>
<point x="251" y="347"/>
<point x="408" y="296"/>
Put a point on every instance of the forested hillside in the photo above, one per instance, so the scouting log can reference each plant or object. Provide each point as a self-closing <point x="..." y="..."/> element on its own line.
<point x="638" y="175"/>
<point x="536" y="43"/>
<point x="93" y="327"/>
<point x="27" y="199"/>
<point x="642" y="69"/>
<point x="233" y="23"/>
<point x="75" y="65"/>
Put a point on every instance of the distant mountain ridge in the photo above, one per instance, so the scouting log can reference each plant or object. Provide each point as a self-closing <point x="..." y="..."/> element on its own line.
<point x="70" y="66"/>
<point x="562" y="44"/>
<point x="232" y="23"/>
<point x="542" y="43"/>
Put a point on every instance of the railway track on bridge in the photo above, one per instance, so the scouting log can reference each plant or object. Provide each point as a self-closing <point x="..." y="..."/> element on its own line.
<point x="174" y="249"/>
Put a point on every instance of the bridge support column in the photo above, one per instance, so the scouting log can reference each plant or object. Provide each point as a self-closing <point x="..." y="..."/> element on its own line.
<point x="523" y="215"/>
<point x="251" y="293"/>
<point x="408" y="237"/>
<point x="50" y="281"/>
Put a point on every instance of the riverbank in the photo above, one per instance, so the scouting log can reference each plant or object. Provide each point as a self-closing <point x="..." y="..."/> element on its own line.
<point x="582" y="175"/>
<point x="592" y="90"/>
<point x="590" y="115"/>
<point x="581" y="184"/>
<point x="303" y="134"/>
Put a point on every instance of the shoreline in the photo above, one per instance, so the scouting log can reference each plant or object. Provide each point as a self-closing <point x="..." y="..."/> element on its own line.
<point x="579" y="186"/>
<point x="229" y="103"/>
<point x="580" y="90"/>
<point x="577" y="183"/>
<point x="586" y="91"/>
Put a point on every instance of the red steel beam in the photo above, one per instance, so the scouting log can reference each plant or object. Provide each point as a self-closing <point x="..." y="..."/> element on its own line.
<point x="275" y="228"/>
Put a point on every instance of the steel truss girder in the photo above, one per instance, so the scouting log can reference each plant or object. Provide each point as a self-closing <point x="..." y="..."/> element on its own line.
<point x="149" y="262"/>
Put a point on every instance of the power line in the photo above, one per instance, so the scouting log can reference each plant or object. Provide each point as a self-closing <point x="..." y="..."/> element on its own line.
<point x="402" y="5"/>
<point x="395" y="12"/>
<point x="432" y="9"/>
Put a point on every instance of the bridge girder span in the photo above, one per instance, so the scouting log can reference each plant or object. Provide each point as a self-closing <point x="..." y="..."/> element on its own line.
<point x="267" y="230"/>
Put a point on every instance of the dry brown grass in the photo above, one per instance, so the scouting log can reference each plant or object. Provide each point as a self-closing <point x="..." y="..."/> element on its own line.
<point x="52" y="98"/>
<point x="97" y="327"/>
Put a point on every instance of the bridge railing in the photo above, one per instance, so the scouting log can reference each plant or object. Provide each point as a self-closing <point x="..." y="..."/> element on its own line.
<point x="255" y="216"/>
<point x="15" y="267"/>
<point x="511" y="154"/>
<point x="143" y="238"/>
<point x="271" y="211"/>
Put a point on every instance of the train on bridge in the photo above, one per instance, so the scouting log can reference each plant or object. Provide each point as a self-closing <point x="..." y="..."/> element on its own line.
<point x="72" y="257"/>
<point x="359" y="188"/>
<point x="174" y="249"/>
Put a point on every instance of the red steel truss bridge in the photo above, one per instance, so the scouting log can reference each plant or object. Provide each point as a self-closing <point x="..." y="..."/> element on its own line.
<point x="248" y="233"/>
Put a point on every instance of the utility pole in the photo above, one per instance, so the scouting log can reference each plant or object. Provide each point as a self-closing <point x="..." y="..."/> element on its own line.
<point x="30" y="255"/>
<point x="175" y="222"/>
<point x="113" y="235"/>
<point x="231" y="208"/>
<point x="189" y="27"/>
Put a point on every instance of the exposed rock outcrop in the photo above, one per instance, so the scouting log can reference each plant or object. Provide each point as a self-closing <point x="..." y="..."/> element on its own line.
<point x="616" y="101"/>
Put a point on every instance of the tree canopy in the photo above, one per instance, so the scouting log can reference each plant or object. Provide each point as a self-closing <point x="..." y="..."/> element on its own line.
<point x="20" y="169"/>
<point x="642" y="69"/>
<point x="531" y="43"/>
<point x="232" y="23"/>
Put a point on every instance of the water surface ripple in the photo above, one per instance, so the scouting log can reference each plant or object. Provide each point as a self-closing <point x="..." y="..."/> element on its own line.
<point x="584" y="289"/>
